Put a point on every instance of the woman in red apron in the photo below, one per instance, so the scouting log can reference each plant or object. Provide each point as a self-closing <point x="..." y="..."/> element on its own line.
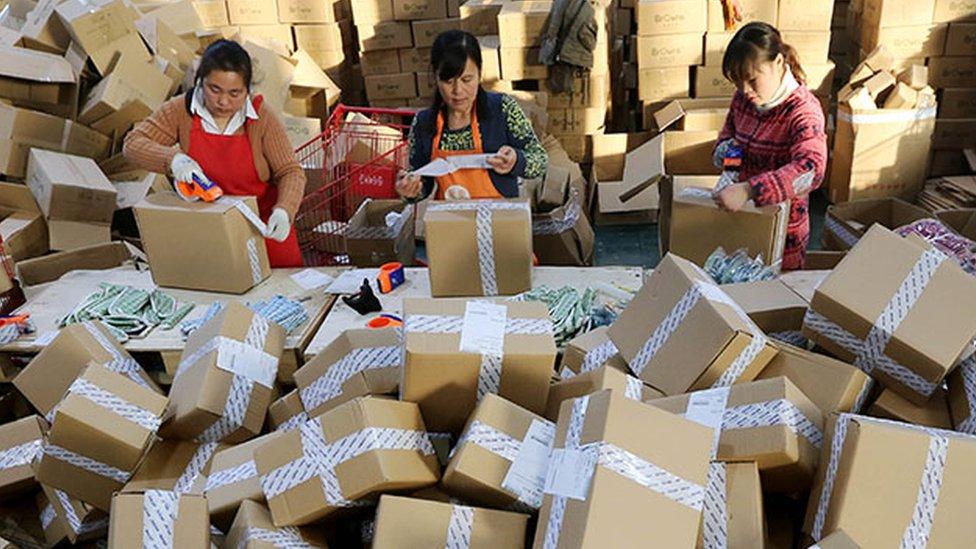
<point x="231" y="139"/>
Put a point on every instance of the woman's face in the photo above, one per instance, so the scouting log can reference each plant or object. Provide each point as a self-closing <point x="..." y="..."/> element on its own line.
<point x="224" y="93"/>
<point x="460" y="92"/>
<point x="761" y="84"/>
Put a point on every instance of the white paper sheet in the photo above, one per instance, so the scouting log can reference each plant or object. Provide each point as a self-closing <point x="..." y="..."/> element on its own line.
<point x="444" y="166"/>
<point x="309" y="279"/>
<point x="350" y="281"/>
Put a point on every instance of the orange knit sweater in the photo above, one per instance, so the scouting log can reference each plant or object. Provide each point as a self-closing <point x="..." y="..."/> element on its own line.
<point x="151" y="145"/>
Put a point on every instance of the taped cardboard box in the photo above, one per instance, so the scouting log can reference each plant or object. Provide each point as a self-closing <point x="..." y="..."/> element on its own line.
<point x="501" y="476"/>
<point x="76" y="198"/>
<point x="104" y="30"/>
<point x="846" y="223"/>
<point x="495" y="236"/>
<point x="22" y="224"/>
<point x="92" y="449"/>
<point x="733" y="508"/>
<point x="564" y="235"/>
<point x="37" y="80"/>
<point x="129" y="81"/>
<point x="253" y="528"/>
<point x="225" y="380"/>
<point x="934" y="413"/>
<point x="769" y="421"/>
<point x="671" y="17"/>
<point x="393" y="455"/>
<point x="234" y="479"/>
<point x="961" y="220"/>
<point x="175" y="465"/>
<point x="879" y="472"/>
<point x="357" y="363"/>
<point x="522" y="25"/>
<point x="921" y="342"/>
<point x="588" y="351"/>
<point x="414" y="523"/>
<point x="590" y="494"/>
<point x="287" y="412"/>
<point x="603" y="377"/>
<point x="669" y="50"/>
<point x="480" y="17"/>
<point x="140" y="519"/>
<point x="222" y="250"/>
<point x="772" y="305"/>
<point x="506" y="349"/>
<point x="20" y="443"/>
<point x="832" y="385"/>
<point x="49" y="374"/>
<point x="372" y="241"/>
<point x="66" y="518"/>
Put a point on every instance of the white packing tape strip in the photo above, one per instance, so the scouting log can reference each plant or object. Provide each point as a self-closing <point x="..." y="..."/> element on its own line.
<point x="329" y="385"/>
<point x="287" y="537"/>
<point x="484" y="234"/>
<point x="235" y="411"/>
<point x="159" y="511"/>
<point x="792" y="337"/>
<point x="20" y="455"/>
<point x="770" y="413"/>
<point x="715" y="515"/>
<point x="236" y="357"/>
<point x="862" y="396"/>
<point x="47" y="516"/>
<point x="198" y="461"/>
<point x="495" y="441"/>
<point x="550" y="226"/>
<point x="254" y="259"/>
<point x="459" y="528"/>
<point x="320" y="458"/>
<point x="967" y="370"/>
<point x="293" y="422"/>
<point x="115" y="404"/>
<point x="121" y="363"/>
<point x="231" y="475"/>
<point x="834" y="226"/>
<point x="697" y="192"/>
<point x="78" y="526"/>
<point x="858" y="347"/>
<point x="597" y="356"/>
<point x="250" y="215"/>
<point x="917" y="532"/>
<point x="634" y="388"/>
<point x="887" y="116"/>
<point x="82" y="462"/>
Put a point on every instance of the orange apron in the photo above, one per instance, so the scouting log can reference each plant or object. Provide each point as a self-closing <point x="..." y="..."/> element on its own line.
<point x="476" y="181"/>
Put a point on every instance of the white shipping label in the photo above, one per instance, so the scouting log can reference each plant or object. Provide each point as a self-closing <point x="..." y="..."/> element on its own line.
<point x="570" y="472"/>
<point x="483" y="329"/>
<point x="527" y="475"/>
<point x="244" y="360"/>
<point x="708" y="407"/>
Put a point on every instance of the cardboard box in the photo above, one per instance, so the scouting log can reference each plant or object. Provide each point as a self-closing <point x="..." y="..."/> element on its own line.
<point x="275" y="36"/>
<point x="21" y="444"/>
<point x="129" y="81"/>
<point x="523" y="25"/>
<point x="714" y="335"/>
<point x="39" y="28"/>
<point x="923" y="347"/>
<point x="212" y="13"/>
<point x="225" y="380"/>
<point x="902" y="97"/>
<point x="812" y="46"/>
<point x="635" y="188"/>
<point x="576" y="121"/>
<point x="961" y="393"/>
<point x="689" y="152"/>
<point x="800" y="15"/>
<point x="961" y="220"/>
<point x="671" y="17"/>
<point x="287" y="412"/>
<point x="301" y="130"/>
<point x="358" y="363"/>
<point x="954" y="10"/>
<point x="954" y="134"/>
<point x="586" y="498"/>
<point x="22" y="225"/>
<point x="319" y="38"/>
<point x="253" y="12"/>
<point x="37" y="80"/>
<point x="103" y="30"/>
<point x="521" y="64"/>
<point x="177" y="465"/>
<point x="845" y="224"/>
<point x="604" y="377"/>
<point x="379" y="62"/>
<point x="75" y="197"/>
<point x="710" y="82"/>
<point x="418" y="60"/>
<point x="49" y="374"/>
<point x="906" y="42"/>
<point x="564" y="235"/>
<point x="588" y="351"/>
<point x="957" y="103"/>
<point x="480" y="17"/>
<point x="233" y="479"/>
<point x="698" y="226"/>
<point x="715" y="45"/>
<point x="670" y="50"/>
<point x="832" y="385"/>
<point x="306" y="11"/>
<point x="771" y="304"/>
<point x="66" y="518"/>
<point x="736" y="516"/>
<point x="526" y="350"/>
<point x="503" y="477"/>
<point x="413" y="523"/>
<point x="253" y="526"/>
<point x="952" y="72"/>
<point x="380" y="465"/>
<point x="425" y="32"/>
<point x="770" y="422"/>
<point x="23" y="129"/>
<point x="838" y="540"/>
<point x="491" y="59"/>
<point x="115" y="438"/>
<point x="51" y="267"/>
<point x="880" y="153"/>
<point x="181" y="518"/>
<point x="386" y="35"/>
<point x="392" y="86"/>
<point x="453" y="240"/>
<point x="766" y="11"/>
<point x="413" y="10"/>
<point x="934" y="413"/>
<point x="226" y="251"/>
<point x="662" y="84"/>
<point x="897" y="13"/>
<point x="371" y="242"/>
<point x="371" y="11"/>
<point x="862" y="451"/>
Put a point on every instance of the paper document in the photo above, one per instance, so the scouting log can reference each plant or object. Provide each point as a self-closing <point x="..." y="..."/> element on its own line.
<point x="309" y="279"/>
<point x="350" y="281"/>
<point x="444" y="166"/>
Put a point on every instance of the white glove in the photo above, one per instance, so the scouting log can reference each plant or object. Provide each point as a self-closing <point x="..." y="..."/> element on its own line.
<point x="184" y="168"/>
<point x="279" y="225"/>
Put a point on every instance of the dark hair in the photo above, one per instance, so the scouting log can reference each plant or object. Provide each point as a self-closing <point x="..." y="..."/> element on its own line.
<point x="448" y="57"/>
<point x="756" y="43"/>
<point x="222" y="55"/>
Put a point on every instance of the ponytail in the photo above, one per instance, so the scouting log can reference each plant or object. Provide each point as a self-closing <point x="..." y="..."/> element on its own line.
<point x="756" y="43"/>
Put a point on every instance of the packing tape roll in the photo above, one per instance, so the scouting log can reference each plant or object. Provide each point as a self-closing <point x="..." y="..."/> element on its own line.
<point x="198" y="461"/>
<point x="459" y="528"/>
<point x="159" y="511"/>
<point x="329" y="385"/>
<point x="122" y="364"/>
<point x="231" y="475"/>
<point x="287" y="536"/>
<point x="967" y="369"/>
<point x="20" y="455"/>
<point x="715" y="516"/>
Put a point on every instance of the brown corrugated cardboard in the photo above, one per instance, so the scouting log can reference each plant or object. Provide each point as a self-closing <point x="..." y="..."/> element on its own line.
<point x="954" y="10"/>
<point x="212" y="13"/>
<point x="962" y="220"/>
<point x="893" y="13"/>
<point x="589" y="351"/>
<point x="952" y="72"/>
<point x="46" y="378"/>
<point x="116" y="437"/>
<point x="64" y="517"/>
<point x="480" y="17"/>
<point x="661" y="84"/>
<point x="358" y="363"/>
<point x="636" y="188"/>
<point x="923" y="341"/>
<point x="177" y="465"/>
<point x="751" y="10"/>
<point x="391" y="86"/>
<point x="954" y="134"/>
<point x="564" y="235"/>
<point x="51" y="267"/>
<point x="252" y="12"/>
<point x="454" y="247"/>
<point x="738" y="519"/>
<point x="225" y="380"/>
<point x="220" y="249"/>
<point x="522" y="24"/>
<point x="671" y="17"/>
<point x="415" y="523"/>
<point x="306" y="11"/>
<point x="770" y="422"/>
<point x="385" y="35"/>
<point x="706" y="342"/>
<point x="233" y="479"/>
<point x="20" y="443"/>
<point x="129" y="81"/>
<point x="670" y="50"/>
<point x="772" y="305"/>
<point x="424" y="32"/>
<point x="413" y="10"/>
<point x="252" y="527"/>
<point x="711" y="82"/>
<point x="802" y="15"/>
<point x="380" y="62"/>
<point x="318" y="38"/>
<point x="397" y="458"/>
<point x="371" y="11"/>
<point x="880" y="473"/>
<point x="521" y="64"/>
<point x="371" y="241"/>
<point x="286" y="412"/>
<point x="715" y="46"/>
<point x="103" y="29"/>
<point x="483" y="473"/>
<point x="906" y="42"/>
<point x="608" y="507"/>
<point x="301" y="130"/>
<point x="846" y="223"/>
<point x="891" y="405"/>
<point x="837" y="540"/>
<point x="527" y="351"/>
<point x="75" y="196"/>
<point x="689" y="152"/>
<point x="22" y="226"/>
<point x="140" y="519"/>
<point x="811" y="45"/>
<point x="603" y="377"/>
<point x="37" y="80"/>
<point x="916" y="76"/>
<point x="832" y="385"/>
<point x="418" y="60"/>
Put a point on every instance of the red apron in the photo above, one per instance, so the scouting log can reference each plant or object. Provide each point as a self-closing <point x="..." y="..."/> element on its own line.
<point x="229" y="162"/>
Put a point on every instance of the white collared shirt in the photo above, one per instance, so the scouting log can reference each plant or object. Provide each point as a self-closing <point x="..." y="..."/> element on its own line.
<point x="199" y="108"/>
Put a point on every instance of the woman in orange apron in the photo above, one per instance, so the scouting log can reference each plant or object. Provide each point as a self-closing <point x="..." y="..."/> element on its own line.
<point x="467" y="120"/>
<point x="230" y="138"/>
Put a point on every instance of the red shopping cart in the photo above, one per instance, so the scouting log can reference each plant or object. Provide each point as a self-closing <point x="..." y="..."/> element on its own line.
<point x="358" y="156"/>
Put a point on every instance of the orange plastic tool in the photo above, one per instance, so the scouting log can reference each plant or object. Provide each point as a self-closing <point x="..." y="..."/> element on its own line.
<point x="191" y="191"/>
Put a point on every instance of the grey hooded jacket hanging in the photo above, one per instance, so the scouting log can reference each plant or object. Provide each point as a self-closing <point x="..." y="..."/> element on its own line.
<point x="567" y="47"/>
